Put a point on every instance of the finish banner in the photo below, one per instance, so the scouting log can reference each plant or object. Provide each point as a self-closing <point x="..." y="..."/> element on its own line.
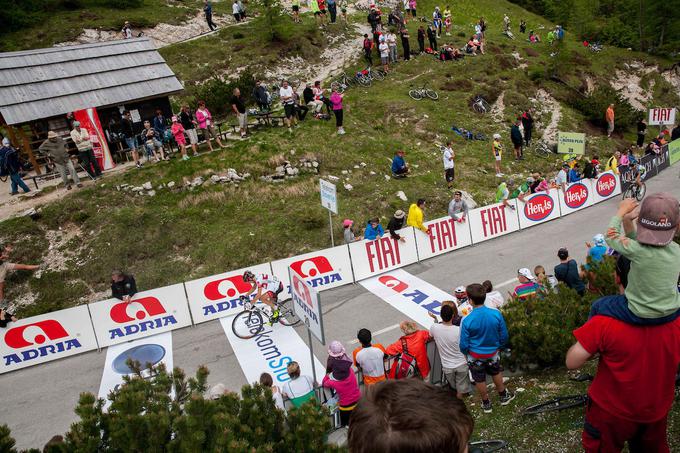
<point x="89" y="120"/>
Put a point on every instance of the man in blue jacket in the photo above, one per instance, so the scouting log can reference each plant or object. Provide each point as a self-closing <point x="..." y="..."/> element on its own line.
<point x="482" y="335"/>
<point x="399" y="165"/>
<point x="11" y="166"/>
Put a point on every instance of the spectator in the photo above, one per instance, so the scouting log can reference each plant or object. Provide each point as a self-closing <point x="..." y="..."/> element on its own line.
<point x="533" y="187"/>
<point x="128" y="131"/>
<point x="405" y="43"/>
<point x="369" y="358"/>
<point x="238" y="105"/>
<point x="641" y="132"/>
<point x="288" y="101"/>
<point x="563" y="176"/>
<point x="516" y="138"/>
<point x="523" y="189"/>
<point x="415" y="216"/>
<point x="412" y="8"/>
<point x="177" y="131"/>
<point x="267" y="381"/>
<point x="309" y="99"/>
<point x="522" y="26"/>
<point x="373" y="19"/>
<point x="494" y="299"/>
<point x="55" y="148"/>
<point x="567" y="272"/>
<point x="503" y="193"/>
<point x="458" y="208"/>
<point x="261" y="96"/>
<point x="609" y="116"/>
<point x="189" y="125"/>
<point x="373" y="229"/>
<point x="454" y="364"/>
<point x="368" y="47"/>
<point x="413" y="342"/>
<point x="527" y="285"/>
<point x="399" y="166"/>
<point x="332" y="10"/>
<point x="528" y="124"/>
<point x="547" y="282"/>
<point x="462" y="301"/>
<point x="447" y="157"/>
<point x="506" y="23"/>
<point x="432" y="37"/>
<point x="483" y="334"/>
<point x="127" y="30"/>
<point x="613" y="163"/>
<point x="533" y="37"/>
<point x="299" y="389"/>
<point x="322" y="10"/>
<point x="421" y="39"/>
<point x="7" y="266"/>
<point x="396" y="223"/>
<point x="6" y="317"/>
<point x="241" y="9"/>
<point x="81" y="137"/>
<point x="497" y="149"/>
<point x="340" y="377"/>
<point x="10" y="165"/>
<point x="574" y="175"/>
<point x="123" y="286"/>
<point x="447" y="20"/>
<point x="336" y="102"/>
<point x="301" y="108"/>
<point x="207" y="9"/>
<point x="319" y="96"/>
<point x="348" y="234"/>
<point x="391" y="40"/>
<point x="676" y="133"/>
<point x="296" y="11"/>
<point x="597" y="249"/>
<point x="205" y="124"/>
<point x="152" y="142"/>
<point x="236" y="11"/>
<point x="590" y="169"/>
<point x="384" y="49"/>
<point x="160" y="124"/>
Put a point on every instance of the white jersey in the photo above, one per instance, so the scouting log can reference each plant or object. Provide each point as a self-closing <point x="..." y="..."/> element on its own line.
<point x="267" y="283"/>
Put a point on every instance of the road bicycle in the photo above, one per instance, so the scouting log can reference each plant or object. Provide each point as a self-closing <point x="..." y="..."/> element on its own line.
<point x="480" y="105"/>
<point x="487" y="446"/>
<point x="344" y="82"/>
<point x="422" y="93"/>
<point x="635" y="191"/>
<point x="561" y="402"/>
<point x="542" y="149"/>
<point x="250" y="321"/>
<point x="368" y="75"/>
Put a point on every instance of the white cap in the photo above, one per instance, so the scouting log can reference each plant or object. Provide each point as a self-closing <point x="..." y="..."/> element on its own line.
<point x="497" y="136"/>
<point x="524" y="272"/>
<point x="217" y="391"/>
<point x="5" y="141"/>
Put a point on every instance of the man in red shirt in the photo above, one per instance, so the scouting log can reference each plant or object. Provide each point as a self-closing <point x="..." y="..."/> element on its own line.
<point x="633" y="389"/>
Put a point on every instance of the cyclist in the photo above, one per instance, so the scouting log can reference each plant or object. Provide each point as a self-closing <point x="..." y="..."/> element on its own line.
<point x="637" y="172"/>
<point x="268" y="288"/>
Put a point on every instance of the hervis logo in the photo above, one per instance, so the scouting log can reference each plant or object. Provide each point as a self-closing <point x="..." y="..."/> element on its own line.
<point x="539" y="207"/>
<point x="606" y="184"/>
<point x="317" y="271"/>
<point x="149" y="308"/>
<point x="225" y="290"/>
<point x="576" y="195"/>
<point x="38" y="339"/>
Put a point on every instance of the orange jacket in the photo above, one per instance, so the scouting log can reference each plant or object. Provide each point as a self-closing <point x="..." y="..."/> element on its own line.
<point x="610" y="114"/>
<point x="416" y="343"/>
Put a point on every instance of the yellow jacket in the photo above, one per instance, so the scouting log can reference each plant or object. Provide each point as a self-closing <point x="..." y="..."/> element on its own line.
<point x="415" y="218"/>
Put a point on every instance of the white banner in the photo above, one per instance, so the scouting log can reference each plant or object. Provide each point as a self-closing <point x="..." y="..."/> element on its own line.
<point x="46" y="337"/>
<point x="538" y="208"/>
<point x="493" y="221"/>
<point x="270" y="352"/>
<point x="147" y="351"/>
<point x="660" y="116"/>
<point x="324" y="269"/>
<point x="606" y="185"/>
<point x="576" y="196"/>
<point x="306" y="304"/>
<point x="218" y="295"/>
<point x="383" y="254"/>
<point x="445" y="235"/>
<point x="148" y="313"/>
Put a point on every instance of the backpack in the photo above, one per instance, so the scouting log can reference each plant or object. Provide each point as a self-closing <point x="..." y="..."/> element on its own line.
<point x="405" y="365"/>
<point x="4" y="162"/>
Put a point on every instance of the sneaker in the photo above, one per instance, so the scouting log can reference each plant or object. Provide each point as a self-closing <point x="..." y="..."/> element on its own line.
<point x="138" y="165"/>
<point x="196" y="154"/>
<point x="68" y="187"/>
<point x="507" y="397"/>
<point x="486" y="407"/>
<point x="185" y="158"/>
<point x="498" y="175"/>
<point x="79" y="185"/>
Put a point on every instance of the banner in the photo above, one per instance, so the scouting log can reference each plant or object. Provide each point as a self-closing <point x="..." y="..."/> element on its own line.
<point x="576" y="196"/>
<point x="148" y="313"/>
<point x="660" y="116"/>
<point x="662" y="159"/>
<point x="323" y="270"/>
<point x="46" y="337"/>
<point x="383" y="254"/>
<point x="89" y="119"/>
<point x="538" y="208"/>
<point x="493" y="221"/>
<point x="571" y="143"/>
<point x="674" y="151"/>
<point x="445" y="235"/>
<point x="626" y="172"/>
<point x="306" y="304"/>
<point x="218" y="295"/>
<point x="606" y="185"/>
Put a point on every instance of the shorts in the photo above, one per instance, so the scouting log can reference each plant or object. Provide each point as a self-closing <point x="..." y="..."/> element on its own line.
<point x="317" y="13"/>
<point x="449" y="174"/>
<point x="193" y="136"/>
<point x="131" y="142"/>
<point x="458" y="378"/>
<point x="296" y="8"/>
<point x="479" y="368"/>
<point x="208" y="133"/>
<point x="384" y="60"/>
<point x="289" y="110"/>
<point x="498" y="157"/>
<point x="180" y="139"/>
<point x="154" y="144"/>
<point x="242" y="120"/>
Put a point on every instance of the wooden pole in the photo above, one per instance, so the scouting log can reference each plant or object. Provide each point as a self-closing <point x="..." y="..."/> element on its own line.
<point x="27" y="148"/>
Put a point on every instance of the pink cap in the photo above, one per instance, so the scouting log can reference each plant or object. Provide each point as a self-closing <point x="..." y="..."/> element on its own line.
<point x="347" y="223"/>
<point x="174" y="118"/>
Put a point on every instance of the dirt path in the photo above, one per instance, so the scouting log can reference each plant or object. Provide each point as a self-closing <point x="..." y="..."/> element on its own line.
<point x="548" y="105"/>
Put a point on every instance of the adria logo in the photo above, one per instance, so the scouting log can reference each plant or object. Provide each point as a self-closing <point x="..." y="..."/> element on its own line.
<point x="576" y="195"/>
<point x="311" y="267"/>
<point x="235" y="286"/>
<point x="606" y="184"/>
<point x="145" y="306"/>
<point x="415" y="296"/>
<point x="51" y="330"/>
<point x="539" y="207"/>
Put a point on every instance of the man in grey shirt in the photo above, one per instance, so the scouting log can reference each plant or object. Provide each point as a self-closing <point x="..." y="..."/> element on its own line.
<point x="458" y="208"/>
<point x="55" y="148"/>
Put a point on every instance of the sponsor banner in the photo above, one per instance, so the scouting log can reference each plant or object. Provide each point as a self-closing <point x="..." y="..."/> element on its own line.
<point x="606" y="185"/>
<point x="538" y="208"/>
<point x="445" y="235"/>
<point x="626" y="172"/>
<point x="46" y="337"/>
<point x="306" y="304"/>
<point x="660" y="116"/>
<point x="147" y="351"/>
<point x="371" y="258"/>
<point x="674" y="151"/>
<point x="493" y="221"/>
<point x="663" y="159"/>
<point x="148" y="313"/>
<point x="89" y="119"/>
<point x="218" y="295"/>
<point x="324" y="269"/>
<point x="576" y="196"/>
<point x="270" y="352"/>
<point x="571" y="143"/>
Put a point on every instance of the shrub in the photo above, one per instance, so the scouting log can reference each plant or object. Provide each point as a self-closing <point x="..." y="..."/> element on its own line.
<point x="238" y="35"/>
<point x="217" y="93"/>
<point x="595" y="105"/>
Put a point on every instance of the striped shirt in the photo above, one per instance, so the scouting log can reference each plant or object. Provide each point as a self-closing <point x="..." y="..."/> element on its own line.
<point x="526" y="290"/>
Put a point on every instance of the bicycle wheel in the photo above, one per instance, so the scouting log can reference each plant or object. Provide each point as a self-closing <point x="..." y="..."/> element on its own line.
<point x="477" y="107"/>
<point x="364" y="80"/>
<point x="247" y="324"/>
<point x="629" y="192"/>
<point x="542" y="150"/>
<point x="557" y="404"/>
<point x="642" y="190"/>
<point x="431" y="94"/>
<point x="288" y="316"/>
<point x="487" y="446"/>
<point x="415" y="94"/>
<point x="378" y="75"/>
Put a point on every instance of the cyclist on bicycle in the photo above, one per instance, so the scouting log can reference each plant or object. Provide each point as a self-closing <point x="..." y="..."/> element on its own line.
<point x="268" y="288"/>
<point x="637" y="172"/>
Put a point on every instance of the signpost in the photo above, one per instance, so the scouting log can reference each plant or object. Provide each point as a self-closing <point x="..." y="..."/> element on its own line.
<point x="307" y="307"/>
<point x="329" y="200"/>
<point x="571" y="143"/>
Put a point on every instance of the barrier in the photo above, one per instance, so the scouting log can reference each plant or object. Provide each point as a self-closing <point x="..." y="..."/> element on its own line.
<point x="493" y="221"/>
<point x="674" y="151"/>
<point x="383" y="254"/>
<point x="576" y="196"/>
<point x="538" y="208"/>
<point x="148" y="313"/>
<point x="606" y="185"/>
<point x="47" y="337"/>
<point x="446" y="235"/>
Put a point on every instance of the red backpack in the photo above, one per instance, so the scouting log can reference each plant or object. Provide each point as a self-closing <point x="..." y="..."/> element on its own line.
<point x="405" y="365"/>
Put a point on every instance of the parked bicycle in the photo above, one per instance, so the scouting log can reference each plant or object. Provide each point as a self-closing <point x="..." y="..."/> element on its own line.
<point x="368" y="75"/>
<point x="487" y="446"/>
<point x="250" y="321"/>
<point x="480" y="105"/>
<point x="541" y="148"/>
<point x="423" y="92"/>
<point x="561" y="402"/>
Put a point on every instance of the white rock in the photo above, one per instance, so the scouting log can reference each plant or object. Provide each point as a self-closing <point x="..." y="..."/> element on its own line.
<point x="147" y="185"/>
<point x="402" y="196"/>
<point x="371" y="172"/>
<point x="215" y="179"/>
<point x="357" y="167"/>
<point x="245" y="175"/>
<point x="348" y="186"/>
<point x="344" y="172"/>
<point x="137" y="189"/>
<point x="151" y="193"/>
<point x="280" y="169"/>
<point x="363" y="164"/>
<point x="171" y="184"/>
<point x="198" y="180"/>
<point x="290" y="171"/>
<point x="387" y="177"/>
<point x="520" y="389"/>
<point x="333" y="178"/>
<point x="315" y="164"/>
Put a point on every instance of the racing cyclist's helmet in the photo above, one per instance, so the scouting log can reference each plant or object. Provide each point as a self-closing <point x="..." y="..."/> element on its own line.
<point x="248" y="276"/>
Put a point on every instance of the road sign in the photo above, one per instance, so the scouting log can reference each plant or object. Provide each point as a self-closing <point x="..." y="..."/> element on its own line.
<point x="571" y="143"/>
<point x="306" y="304"/>
<point x="660" y="116"/>
<point x="329" y="198"/>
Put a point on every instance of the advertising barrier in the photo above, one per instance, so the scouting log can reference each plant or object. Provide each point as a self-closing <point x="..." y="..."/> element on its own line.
<point x="538" y="208"/>
<point x="383" y="254"/>
<point x="576" y="196"/>
<point x="218" y="295"/>
<point x="324" y="269"/>
<point x="47" y="337"/>
<point x="662" y="159"/>
<point x="651" y="163"/>
<point x="445" y="235"/>
<point x="606" y="185"/>
<point x="306" y="304"/>
<point x="674" y="151"/>
<point x="493" y="221"/>
<point x="148" y="313"/>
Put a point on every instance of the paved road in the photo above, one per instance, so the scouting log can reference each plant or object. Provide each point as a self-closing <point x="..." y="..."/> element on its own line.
<point x="38" y="402"/>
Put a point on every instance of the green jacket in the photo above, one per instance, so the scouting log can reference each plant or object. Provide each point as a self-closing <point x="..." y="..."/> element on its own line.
<point x="56" y="150"/>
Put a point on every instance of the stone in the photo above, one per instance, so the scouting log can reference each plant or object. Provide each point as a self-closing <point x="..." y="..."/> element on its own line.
<point x="363" y="164"/>
<point x="290" y="171"/>
<point x="215" y="179"/>
<point x="402" y="196"/>
<point x="198" y="180"/>
<point x="357" y="167"/>
<point x="151" y="193"/>
<point x="348" y="186"/>
<point x="371" y="172"/>
<point x="315" y="164"/>
<point x="333" y="178"/>
<point x="344" y="172"/>
<point x="245" y="175"/>
<point x="280" y="169"/>
<point x="171" y="184"/>
<point x="137" y="189"/>
<point x="387" y="177"/>
<point x="147" y="185"/>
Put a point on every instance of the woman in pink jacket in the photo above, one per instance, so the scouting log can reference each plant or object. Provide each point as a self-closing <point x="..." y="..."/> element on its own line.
<point x="341" y="378"/>
<point x="205" y="124"/>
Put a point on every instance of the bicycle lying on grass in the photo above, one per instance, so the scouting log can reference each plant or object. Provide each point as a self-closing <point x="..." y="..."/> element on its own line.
<point x="541" y="148"/>
<point x="480" y="105"/>
<point x="250" y="321"/>
<point x="487" y="446"/>
<point x="368" y="75"/>
<point x="423" y="92"/>
<point x="561" y="402"/>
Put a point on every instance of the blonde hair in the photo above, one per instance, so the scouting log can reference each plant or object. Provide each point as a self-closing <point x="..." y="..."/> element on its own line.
<point x="293" y="370"/>
<point x="408" y="327"/>
<point x="539" y="270"/>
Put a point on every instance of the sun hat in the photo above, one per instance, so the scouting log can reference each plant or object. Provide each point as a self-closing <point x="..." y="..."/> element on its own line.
<point x="52" y="134"/>
<point x="530" y="179"/>
<point x="336" y="349"/>
<point x="658" y="219"/>
<point x="399" y="214"/>
<point x="497" y="136"/>
<point x="598" y="239"/>
<point x="76" y="123"/>
<point x="524" y="272"/>
<point x="347" y="223"/>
